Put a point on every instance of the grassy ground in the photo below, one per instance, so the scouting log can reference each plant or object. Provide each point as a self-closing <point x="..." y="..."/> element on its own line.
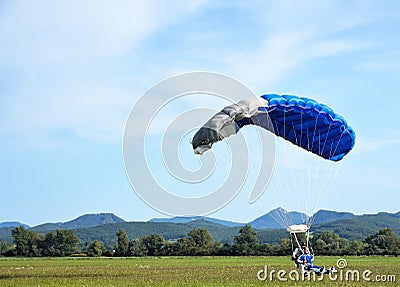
<point x="188" y="271"/>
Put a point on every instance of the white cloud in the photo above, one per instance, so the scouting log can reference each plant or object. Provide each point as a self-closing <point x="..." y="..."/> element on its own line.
<point x="60" y="66"/>
<point x="95" y="111"/>
<point x="365" y="145"/>
<point x="49" y="32"/>
<point x="383" y="61"/>
<point x="297" y="32"/>
<point x="281" y="54"/>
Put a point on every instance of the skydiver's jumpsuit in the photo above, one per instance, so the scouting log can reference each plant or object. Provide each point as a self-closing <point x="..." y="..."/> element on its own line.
<point x="305" y="261"/>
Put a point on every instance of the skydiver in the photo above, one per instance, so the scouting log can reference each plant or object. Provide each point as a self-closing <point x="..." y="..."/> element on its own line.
<point x="297" y="252"/>
<point x="305" y="261"/>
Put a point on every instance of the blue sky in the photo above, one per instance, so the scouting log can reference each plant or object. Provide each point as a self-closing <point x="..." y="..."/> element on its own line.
<point x="71" y="71"/>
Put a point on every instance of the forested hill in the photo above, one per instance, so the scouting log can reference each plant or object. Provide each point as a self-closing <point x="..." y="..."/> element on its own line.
<point x="269" y="220"/>
<point x="328" y="216"/>
<point x="13" y="224"/>
<point x="103" y="227"/>
<point x="87" y="220"/>
<point x="186" y="219"/>
<point x="170" y="231"/>
<point x="361" y="226"/>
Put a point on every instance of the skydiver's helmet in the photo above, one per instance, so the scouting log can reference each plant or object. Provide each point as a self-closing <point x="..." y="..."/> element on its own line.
<point x="303" y="245"/>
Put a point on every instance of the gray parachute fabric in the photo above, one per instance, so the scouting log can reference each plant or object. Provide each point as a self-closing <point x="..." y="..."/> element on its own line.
<point x="225" y="123"/>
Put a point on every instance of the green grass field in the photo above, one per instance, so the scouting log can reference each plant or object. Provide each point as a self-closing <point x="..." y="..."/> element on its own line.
<point x="187" y="271"/>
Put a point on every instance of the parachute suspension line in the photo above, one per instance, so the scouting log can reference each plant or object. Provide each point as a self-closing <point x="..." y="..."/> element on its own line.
<point x="308" y="242"/>
<point x="297" y="241"/>
<point x="330" y="178"/>
<point x="224" y="157"/>
<point x="312" y="172"/>
<point x="326" y="138"/>
<point x="315" y="131"/>
<point x="316" y="174"/>
<point x="303" y="172"/>
<point x="286" y="163"/>
<point x="337" y="145"/>
<point x="305" y="192"/>
<point x="292" y="180"/>
<point x="286" y="186"/>
<point x="294" y="156"/>
<point x="279" y="215"/>
<point x="299" y="198"/>
<point x="325" y="177"/>
<point x="297" y="161"/>
<point x="291" y="241"/>
<point x="307" y="206"/>
<point x="333" y="171"/>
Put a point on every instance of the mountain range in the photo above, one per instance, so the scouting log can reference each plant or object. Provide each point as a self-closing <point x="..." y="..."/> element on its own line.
<point x="104" y="226"/>
<point x="13" y="224"/>
<point x="270" y="220"/>
<point x="84" y="221"/>
<point x="186" y="219"/>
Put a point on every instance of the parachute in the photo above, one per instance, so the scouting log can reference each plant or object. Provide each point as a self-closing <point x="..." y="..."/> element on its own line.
<point x="302" y="123"/>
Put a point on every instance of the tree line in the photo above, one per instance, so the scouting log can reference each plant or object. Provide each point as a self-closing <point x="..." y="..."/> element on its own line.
<point x="198" y="242"/>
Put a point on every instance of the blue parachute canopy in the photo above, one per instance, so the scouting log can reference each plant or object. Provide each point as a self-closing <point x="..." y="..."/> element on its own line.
<point x="304" y="122"/>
